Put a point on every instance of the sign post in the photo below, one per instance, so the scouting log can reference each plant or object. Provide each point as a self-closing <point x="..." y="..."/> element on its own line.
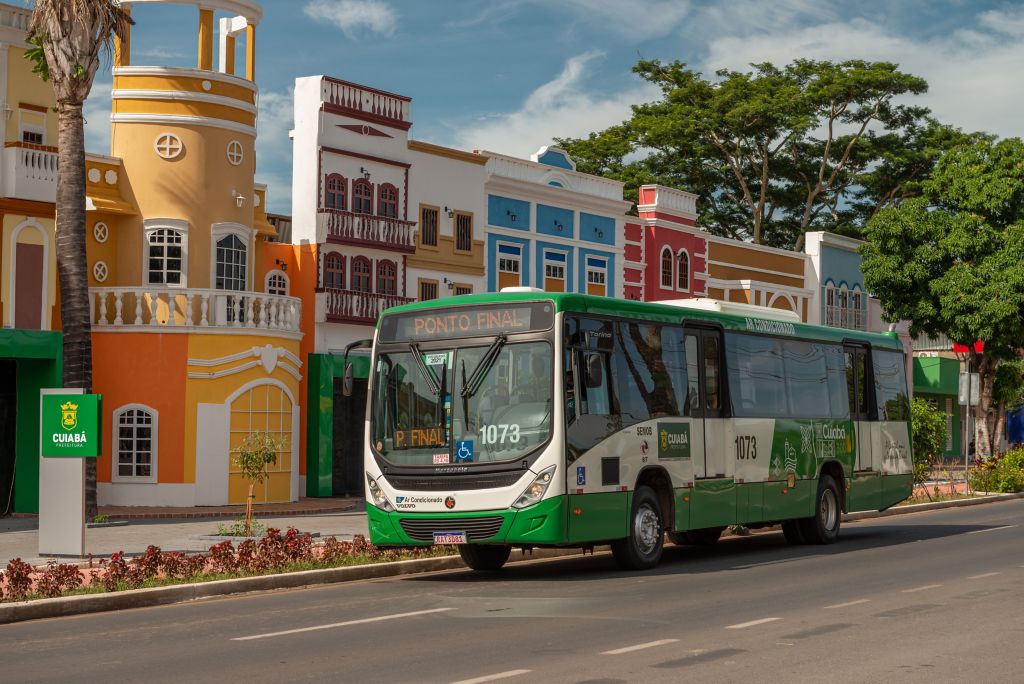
<point x="69" y="432"/>
<point x="969" y="391"/>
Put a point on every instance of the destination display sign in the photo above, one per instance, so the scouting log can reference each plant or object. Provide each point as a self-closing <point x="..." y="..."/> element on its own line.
<point x="476" y="321"/>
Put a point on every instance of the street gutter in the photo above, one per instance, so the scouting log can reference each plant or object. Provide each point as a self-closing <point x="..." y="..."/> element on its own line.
<point x="181" y="593"/>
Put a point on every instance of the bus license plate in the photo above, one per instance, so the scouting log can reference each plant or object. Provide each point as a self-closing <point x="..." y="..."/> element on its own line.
<point x="450" y="538"/>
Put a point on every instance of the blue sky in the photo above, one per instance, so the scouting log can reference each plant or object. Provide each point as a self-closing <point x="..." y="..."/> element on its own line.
<point x="508" y="75"/>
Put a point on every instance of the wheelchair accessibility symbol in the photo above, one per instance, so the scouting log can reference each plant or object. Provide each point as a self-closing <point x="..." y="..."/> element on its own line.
<point x="464" y="451"/>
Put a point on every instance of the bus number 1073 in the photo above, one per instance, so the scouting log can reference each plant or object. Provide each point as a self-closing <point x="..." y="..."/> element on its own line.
<point x="746" y="447"/>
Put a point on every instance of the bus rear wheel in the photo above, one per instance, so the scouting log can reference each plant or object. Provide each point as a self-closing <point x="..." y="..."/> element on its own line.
<point x="641" y="550"/>
<point x="487" y="558"/>
<point x="823" y="526"/>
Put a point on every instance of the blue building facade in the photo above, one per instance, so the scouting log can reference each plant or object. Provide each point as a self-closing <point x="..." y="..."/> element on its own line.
<point x="551" y="227"/>
<point x="840" y="298"/>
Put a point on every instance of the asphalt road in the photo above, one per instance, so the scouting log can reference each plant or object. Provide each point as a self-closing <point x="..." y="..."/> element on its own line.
<point x="928" y="597"/>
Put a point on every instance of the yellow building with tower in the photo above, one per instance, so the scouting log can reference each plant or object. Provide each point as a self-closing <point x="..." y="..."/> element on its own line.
<point x="195" y="343"/>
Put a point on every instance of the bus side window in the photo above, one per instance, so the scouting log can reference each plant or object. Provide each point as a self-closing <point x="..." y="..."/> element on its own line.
<point x="711" y="375"/>
<point x="596" y="395"/>
<point x="692" y="407"/>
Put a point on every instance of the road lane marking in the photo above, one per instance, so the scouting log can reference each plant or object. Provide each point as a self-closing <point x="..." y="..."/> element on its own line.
<point x="639" y="647"/>
<point x="848" y="604"/>
<point x="753" y="623"/>
<point x="924" y="588"/>
<point x="493" y="677"/>
<point x="992" y="529"/>
<point x="982" y="576"/>
<point x="342" y="624"/>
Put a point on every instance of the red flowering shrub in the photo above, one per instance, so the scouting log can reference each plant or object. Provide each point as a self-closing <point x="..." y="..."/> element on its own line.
<point x="223" y="559"/>
<point x="58" y="578"/>
<point x="298" y="547"/>
<point x="182" y="567"/>
<point x="19" y="580"/>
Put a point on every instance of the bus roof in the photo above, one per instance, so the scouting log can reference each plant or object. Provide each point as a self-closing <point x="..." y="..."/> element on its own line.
<point x="572" y="302"/>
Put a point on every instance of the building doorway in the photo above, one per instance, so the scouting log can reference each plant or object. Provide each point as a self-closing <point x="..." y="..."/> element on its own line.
<point x="349" y="429"/>
<point x="8" y="420"/>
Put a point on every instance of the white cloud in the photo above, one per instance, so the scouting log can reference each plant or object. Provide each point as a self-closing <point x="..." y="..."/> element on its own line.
<point x="354" y="16"/>
<point x="970" y="71"/>
<point x="560" y="107"/>
<point x="637" y="19"/>
<point x="97" y="118"/>
<point x="274" y="148"/>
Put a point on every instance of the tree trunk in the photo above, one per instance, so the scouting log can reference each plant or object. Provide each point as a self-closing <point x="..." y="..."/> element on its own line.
<point x="248" y="509"/>
<point x="997" y="438"/>
<point x="983" y="417"/>
<point x="73" y="268"/>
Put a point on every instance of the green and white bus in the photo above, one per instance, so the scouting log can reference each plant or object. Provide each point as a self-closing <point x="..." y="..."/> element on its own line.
<point x="533" y="419"/>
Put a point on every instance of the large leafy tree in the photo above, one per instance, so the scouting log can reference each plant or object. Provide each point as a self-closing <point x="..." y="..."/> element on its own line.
<point x="71" y="37"/>
<point x="952" y="261"/>
<point x="775" y="152"/>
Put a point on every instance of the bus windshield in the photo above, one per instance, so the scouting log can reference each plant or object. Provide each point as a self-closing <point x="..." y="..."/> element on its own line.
<point x="494" y="403"/>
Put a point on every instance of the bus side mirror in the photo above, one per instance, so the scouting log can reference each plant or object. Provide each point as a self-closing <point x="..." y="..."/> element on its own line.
<point x="346" y="381"/>
<point x="595" y="370"/>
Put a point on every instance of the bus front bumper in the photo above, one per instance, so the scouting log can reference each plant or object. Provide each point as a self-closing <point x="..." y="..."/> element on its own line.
<point x="538" y="525"/>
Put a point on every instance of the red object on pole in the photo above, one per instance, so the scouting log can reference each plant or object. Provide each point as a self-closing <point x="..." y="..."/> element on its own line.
<point x="979" y="347"/>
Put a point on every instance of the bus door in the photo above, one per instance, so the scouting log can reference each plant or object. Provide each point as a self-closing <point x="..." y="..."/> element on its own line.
<point x="704" y="399"/>
<point x="866" y="487"/>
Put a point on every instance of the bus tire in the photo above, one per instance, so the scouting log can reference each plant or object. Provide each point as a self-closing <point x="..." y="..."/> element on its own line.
<point x="641" y="550"/>
<point x="706" y="536"/>
<point x="823" y="526"/>
<point x="485" y="558"/>
<point x="791" y="530"/>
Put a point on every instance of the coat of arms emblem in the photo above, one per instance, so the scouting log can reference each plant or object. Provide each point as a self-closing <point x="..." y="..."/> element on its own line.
<point x="69" y="416"/>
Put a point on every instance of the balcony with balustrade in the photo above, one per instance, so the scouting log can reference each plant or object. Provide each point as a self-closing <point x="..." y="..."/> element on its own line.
<point x="366" y="230"/>
<point x="193" y="310"/>
<point x="367" y="104"/>
<point x="29" y="172"/>
<point x="353" y="306"/>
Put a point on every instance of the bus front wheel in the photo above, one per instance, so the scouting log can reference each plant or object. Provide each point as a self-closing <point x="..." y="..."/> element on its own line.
<point x="485" y="558"/>
<point x="641" y="550"/>
<point x="823" y="526"/>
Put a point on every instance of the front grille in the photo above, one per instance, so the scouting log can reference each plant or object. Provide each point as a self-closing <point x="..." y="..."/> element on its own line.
<point x="475" y="528"/>
<point x="454" y="483"/>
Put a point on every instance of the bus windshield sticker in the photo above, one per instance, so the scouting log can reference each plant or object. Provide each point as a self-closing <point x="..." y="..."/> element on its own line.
<point x="581" y="475"/>
<point x="481" y="321"/>
<point x="437" y="358"/>
<point x="673" y="440"/>
<point x="440" y="459"/>
<point x="419" y="437"/>
<point x="464" y="451"/>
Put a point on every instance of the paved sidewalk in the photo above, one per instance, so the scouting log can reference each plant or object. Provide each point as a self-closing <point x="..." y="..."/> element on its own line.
<point x="19" y="537"/>
<point x="304" y="506"/>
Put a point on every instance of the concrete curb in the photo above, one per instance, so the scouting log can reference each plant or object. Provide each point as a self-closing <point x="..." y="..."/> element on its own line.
<point x="158" y="596"/>
<point x="931" y="506"/>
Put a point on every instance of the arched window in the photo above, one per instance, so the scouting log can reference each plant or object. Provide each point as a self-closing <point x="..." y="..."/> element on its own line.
<point x="362" y="196"/>
<point x="387" y="277"/>
<point x="135" y="441"/>
<point x="334" y="271"/>
<point x="666" y="268"/>
<point x="387" y="200"/>
<point x="334" y="191"/>
<point x="277" y="283"/>
<point x="361" y="275"/>
<point x="165" y="257"/>
<point x="231" y="264"/>
<point x="844" y="306"/>
<point x="683" y="273"/>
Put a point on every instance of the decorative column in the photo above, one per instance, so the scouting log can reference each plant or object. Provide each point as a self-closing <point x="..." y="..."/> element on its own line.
<point x="123" y="48"/>
<point x="250" y="52"/>
<point x="206" y="39"/>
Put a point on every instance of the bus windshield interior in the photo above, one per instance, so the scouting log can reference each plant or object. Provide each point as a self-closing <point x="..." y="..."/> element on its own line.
<point x="467" y="405"/>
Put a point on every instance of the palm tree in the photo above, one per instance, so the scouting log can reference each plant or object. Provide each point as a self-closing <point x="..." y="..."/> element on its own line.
<point x="71" y="35"/>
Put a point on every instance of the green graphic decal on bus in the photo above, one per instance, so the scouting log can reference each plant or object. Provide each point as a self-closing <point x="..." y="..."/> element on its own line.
<point x="673" y="440"/>
<point x="799" y="447"/>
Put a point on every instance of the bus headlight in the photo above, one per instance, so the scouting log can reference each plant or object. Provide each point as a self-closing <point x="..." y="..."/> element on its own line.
<point x="379" y="499"/>
<point x="536" y="490"/>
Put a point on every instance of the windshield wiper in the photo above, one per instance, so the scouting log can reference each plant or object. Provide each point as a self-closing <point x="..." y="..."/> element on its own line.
<point x="476" y="378"/>
<point x="434" y="386"/>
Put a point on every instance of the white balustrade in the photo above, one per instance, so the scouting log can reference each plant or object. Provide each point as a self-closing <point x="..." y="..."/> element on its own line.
<point x="158" y="307"/>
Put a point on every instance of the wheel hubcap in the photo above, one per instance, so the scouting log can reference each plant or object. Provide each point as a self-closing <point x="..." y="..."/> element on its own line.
<point x="647" y="528"/>
<point x="829" y="510"/>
